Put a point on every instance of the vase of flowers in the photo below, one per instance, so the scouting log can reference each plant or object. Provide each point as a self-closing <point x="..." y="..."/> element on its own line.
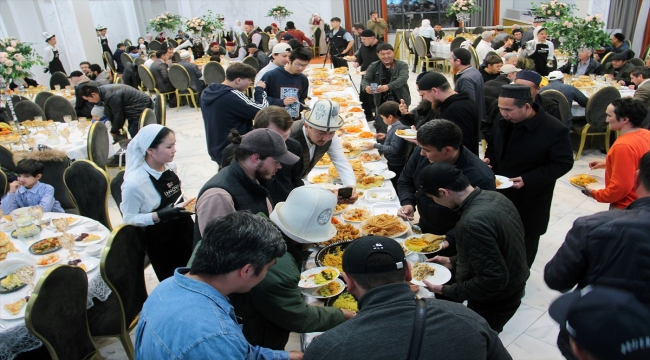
<point x="17" y="59"/>
<point x="194" y="25"/>
<point x="166" y="21"/>
<point x="279" y="13"/>
<point x="553" y="9"/>
<point x="463" y="9"/>
<point x="575" y="33"/>
<point x="211" y="25"/>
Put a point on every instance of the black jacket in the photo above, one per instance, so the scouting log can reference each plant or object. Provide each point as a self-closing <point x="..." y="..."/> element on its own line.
<point x="81" y="106"/>
<point x="117" y="58"/>
<point x="367" y="55"/>
<point x="434" y="218"/>
<point x="461" y="110"/>
<point x="492" y="88"/>
<point x="540" y="152"/>
<point x="550" y="106"/>
<point x="491" y="261"/>
<point x="130" y="75"/>
<point x="486" y="76"/>
<point x="609" y="248"/>
<point x="420" y="115"/>
<point x="123" y="102"/>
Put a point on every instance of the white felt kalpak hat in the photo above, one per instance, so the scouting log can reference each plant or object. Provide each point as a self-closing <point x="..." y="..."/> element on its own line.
<point x="48" y="36"/>
<point x="306" y="216"/>
<point x="325" y="116"/>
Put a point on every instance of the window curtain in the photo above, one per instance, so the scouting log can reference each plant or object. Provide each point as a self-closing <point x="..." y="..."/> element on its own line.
<point x="360" y="13"/>
<point x="623" y="15"/>
<point x="483" y="18"/>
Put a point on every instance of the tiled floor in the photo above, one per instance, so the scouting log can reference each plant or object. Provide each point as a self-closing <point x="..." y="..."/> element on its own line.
<point x="530" y="334"/>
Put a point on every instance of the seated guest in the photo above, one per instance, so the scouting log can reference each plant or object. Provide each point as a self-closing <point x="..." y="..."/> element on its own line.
<point x="133" y="52"/>
<point x="117" y="58"/>
<point x="625" y="116"/>
<point x="297" y="34"/>
<point x="525" y="63"/>
<point x="491" y="67"/>
<point x="295" y="44"/>
<point x="130" y="75"/>
<point x="27" y="190"/>
<point x="286" y="37"/>
<point x="511" y="58"/>
<point x="640" y="77"/>
<point x="532" y="79"/>
<point x="196" y="84"/>
<point x="438" y="33"/>
<point x="216" y="49"/>
<point x="508" y="75"/>
<point x="618" y="44"/>
<point x="79" y="81"/>
<point x="257" y="54"/>
<point x="84" y="66"/>
<point x="586" y="64"/>
<point x="609" y="248"/>
<point x="279" y="58"/>
<point x="150" y="60"/>
<point x="237" y="186"/>
<point x="236" y="254"/>
<point x="234" y="52"/>
<point x="272" y="29"/>
<point x="603" y="323"/>
<point x="491" y="270"/>
<point x="517" y="34"/>
<point x="99" y="75"/>
<point x="97" y="114"/>
<point x="160" y="71"/>
<point x="485" y="45"/>
<point x="376" y="272"/>
<point x="618" y="69"/>
<point x="500" y="33"/>
<point x="570" y="92"/>
<point x="504" y="46"/>
<point x="275" y="307"/>
<point x="225" y="107"/>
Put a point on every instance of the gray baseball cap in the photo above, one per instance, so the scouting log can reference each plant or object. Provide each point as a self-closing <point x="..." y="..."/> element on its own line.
<point x="267" y="142"/>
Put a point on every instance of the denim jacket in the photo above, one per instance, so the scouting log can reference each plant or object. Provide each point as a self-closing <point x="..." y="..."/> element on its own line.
<point x="187" y="319"/>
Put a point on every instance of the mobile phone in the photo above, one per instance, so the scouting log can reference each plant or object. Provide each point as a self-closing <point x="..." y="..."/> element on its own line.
<point x="345" y="192"/>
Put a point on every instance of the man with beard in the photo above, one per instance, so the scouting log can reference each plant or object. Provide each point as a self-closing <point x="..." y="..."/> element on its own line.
<point x="238" y="186"/>
<point x="516" y="45"/>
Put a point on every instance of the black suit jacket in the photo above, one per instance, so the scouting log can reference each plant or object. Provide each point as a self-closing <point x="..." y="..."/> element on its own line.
<point x="160" y="72"/>
<point x="540" y="152"/>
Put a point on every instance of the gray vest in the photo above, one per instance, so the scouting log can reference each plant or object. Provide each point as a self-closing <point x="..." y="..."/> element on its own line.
<point x="298" y="135"/>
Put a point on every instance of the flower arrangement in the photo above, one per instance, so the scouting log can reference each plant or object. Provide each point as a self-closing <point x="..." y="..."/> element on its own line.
<point x="463" y="6"/>
<point x="575" y="33"/>
<point x="194" y="25"/>
<point x="279" y="12"/>
<point x="17" y="58"/>
<point x="211" y="23"/>
<point x="165" y="21"/>
<point x="553" y="9"/>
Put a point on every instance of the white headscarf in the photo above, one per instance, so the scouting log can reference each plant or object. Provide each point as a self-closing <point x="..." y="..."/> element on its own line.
<point x="426" y="30"/>
<point x="137" y="149"/>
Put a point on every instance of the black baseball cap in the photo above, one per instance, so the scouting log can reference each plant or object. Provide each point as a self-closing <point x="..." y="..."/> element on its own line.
<point x="267" y="142"/>
<point x="287" y="36"/>
<point x="609" y="323"/>
<point x="356" y="254"/>
<point x="438" y="175"/>
<point x="75" y="73"/>
<point x="431" y="80"/>
<point x="530" y="75"/>
<point x="367" y="33"/>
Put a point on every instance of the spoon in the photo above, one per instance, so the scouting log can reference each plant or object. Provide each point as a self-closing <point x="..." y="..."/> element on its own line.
<point x="416" y="229"/>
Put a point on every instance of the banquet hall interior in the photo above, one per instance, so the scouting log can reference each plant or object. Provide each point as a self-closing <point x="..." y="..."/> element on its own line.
<point x="83" y="29"/>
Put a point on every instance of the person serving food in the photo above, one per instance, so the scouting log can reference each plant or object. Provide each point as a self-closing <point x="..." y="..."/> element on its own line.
<point x="150" y="190"/>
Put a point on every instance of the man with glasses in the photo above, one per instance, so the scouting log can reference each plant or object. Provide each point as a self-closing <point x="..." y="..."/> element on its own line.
<point x="287" y="86"/>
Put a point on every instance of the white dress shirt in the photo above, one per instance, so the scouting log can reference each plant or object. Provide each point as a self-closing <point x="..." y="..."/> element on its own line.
<point x="49" y="54"/>
<point x="482" y="49"/>
<point x="338" y="158"/>
<point x="139" y="196"/>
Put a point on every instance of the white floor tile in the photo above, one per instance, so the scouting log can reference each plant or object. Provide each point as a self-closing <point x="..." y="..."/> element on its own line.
<point x="526" y="347"/>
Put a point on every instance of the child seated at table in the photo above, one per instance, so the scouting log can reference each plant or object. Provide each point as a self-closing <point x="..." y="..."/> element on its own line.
<point x="394" y="148"/>
<point x="98" y="115"/>
<point x="28" y="191"/>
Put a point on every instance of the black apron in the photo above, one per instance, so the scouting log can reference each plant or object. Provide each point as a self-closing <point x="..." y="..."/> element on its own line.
<point x="540" y="57"/>
<point x="168" y="244"/>
<point x="56" y="65"/>
<point x="104" y="43"/>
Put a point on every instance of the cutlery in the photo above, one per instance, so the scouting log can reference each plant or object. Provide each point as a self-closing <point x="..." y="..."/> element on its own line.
<point x="416" y="229"/>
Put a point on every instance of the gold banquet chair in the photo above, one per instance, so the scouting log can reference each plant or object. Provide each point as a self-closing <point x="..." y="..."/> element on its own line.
<point x="98" y="144"/>
<point x="111" y="65"/>
<point x="180" y="78"/>
<point x="149" y="82"/>
<point x="148" y="117"/>
<point x="122" y="269"/>
<point x="56" y="314"/>
<point x="88" y="185"/>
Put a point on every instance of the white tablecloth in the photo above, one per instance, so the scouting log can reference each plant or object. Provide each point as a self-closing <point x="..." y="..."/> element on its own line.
<point x="577" y="110"/>
<point x="14" y="337"/>
<point x="78" y="147"/>
<point x="440" y="49"/>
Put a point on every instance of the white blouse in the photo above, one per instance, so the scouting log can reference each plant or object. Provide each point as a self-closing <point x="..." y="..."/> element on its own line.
<point x="49" y="54"/>
<point x="139" y="196"/>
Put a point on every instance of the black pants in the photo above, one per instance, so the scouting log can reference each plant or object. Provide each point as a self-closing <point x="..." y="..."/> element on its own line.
<point x="532" y="243"/>
<point x="380" y="125"/>
<point x="497" y="313"/>
<point x="133" y="127"/>
<point x="368" y="104"/>
<point x="169" y="245"/>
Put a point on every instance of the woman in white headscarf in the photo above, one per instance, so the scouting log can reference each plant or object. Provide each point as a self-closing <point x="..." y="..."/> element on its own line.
<point x="150" y="189"/>
<point x="428" y="33"/>
<point x="315" y="22"/>
<point x="540" y="50"/>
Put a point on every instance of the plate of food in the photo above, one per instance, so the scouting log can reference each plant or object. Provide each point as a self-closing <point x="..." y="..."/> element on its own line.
<point x="45" y="246"/>
<point x="345" y="300"/>
<point x="88" y="263"/>
<point x="341" y="70"/>
<point x="48" y="260"/>
<point x="424" y="243"/>
<point x="431" y="272"/>
<point x="385" y="208"/>
<point x="14" y="234"/>
<point x="10" y="283"/>
<point x="13" y="309"/>
<point x="320" y="178"/>
<point x="344" y="232"/>
<point x="317" y="277"/>
<point x="370" y="157"/>
<point x="407" y="134"/>
<point x="189" y="205"/>
<point x="370" y="181"/>
<point x="503" y="182"/>
<point x="351" y="153"/>
<point x="355" y="215"/>
<point x="332" y="255"/>
<point x="353" y="129"/>
<point x="85" y="239"/>
<point x="384" y="225"/>
<point x="339" y="208"/>
<point x="381" y="194"/>
<point x="324" y="162"/>
<point x="332" y="289"/>
<point x="366" y="135"/>
<point x="582" y="180"/>
<point x="72" y="221"/>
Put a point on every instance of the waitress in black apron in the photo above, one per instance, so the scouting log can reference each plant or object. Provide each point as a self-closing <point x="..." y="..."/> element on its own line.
<point x="103" y="40"/>
<point x="51" y="57"/>
<point x="541" y="51"/>
<point x="150" y="189"/>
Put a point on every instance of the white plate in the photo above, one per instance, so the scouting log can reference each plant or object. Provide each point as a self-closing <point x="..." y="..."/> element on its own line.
<point x="307" y="280"/>
<point x="338" y="212"/>
<point x="310" y="178"/>
<point x="415" y="252"/>
<point x="374" y="166"/>
<point x="90" y="262"/>
<point x="380" y="194"/>
<point x="440" y="277"/>
<point x="102" y="237"/>
<point x="52" y="227"/>
<point x="411" y="135"/>
<point x="385" y="208"/>
<point x="6" y="315"/>
<point x="505" y="182"/>
<point x="370" y="161"/>
<point x="314" y="292"/>
<point x="600" y="183"/>
<point x="408" y="227"/>
<point x="54" y="263"/>
<point x="351" y="208"/>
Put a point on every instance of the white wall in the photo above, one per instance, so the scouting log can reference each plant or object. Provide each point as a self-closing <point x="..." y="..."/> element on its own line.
<point x="583" y="7"/>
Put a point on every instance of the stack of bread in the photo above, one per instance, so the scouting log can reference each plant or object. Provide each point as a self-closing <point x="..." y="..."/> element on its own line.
<point x="6" y="246"/>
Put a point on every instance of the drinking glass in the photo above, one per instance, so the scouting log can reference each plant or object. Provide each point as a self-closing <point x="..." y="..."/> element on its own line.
<point x="26" y="275"/>
<point x="66" y="135"/>
<point x="67" y="242"/>
<point x="37" y="213"/>
<point x="52" y="134"/>
<point x="82" y="126"/>
<point x="61" y="224"/>
<point x="57" y="87"/>
<point x="26" y="230"/>
<point x="67" y="119"/>
<point x="31" y="142"/>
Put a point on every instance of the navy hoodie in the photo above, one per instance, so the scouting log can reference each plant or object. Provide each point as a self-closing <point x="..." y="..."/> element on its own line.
<point x="280" y="84"/>
<point x="225" y="108"/>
